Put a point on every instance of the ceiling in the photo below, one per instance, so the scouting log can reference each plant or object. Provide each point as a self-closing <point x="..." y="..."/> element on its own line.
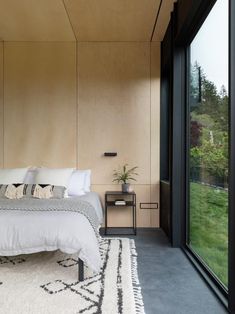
<point x="84" y="20"/>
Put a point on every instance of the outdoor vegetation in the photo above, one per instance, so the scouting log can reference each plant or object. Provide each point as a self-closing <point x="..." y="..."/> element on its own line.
<point x="209" y="172"/>
<point x="208" y="227"/>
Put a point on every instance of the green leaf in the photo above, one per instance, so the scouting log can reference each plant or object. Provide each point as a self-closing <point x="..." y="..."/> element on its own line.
<point x="124" y="174"/>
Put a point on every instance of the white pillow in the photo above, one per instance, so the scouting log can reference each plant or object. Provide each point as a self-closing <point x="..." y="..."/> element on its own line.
<point x="59" y="177"/>
<point x="77" y="183"/>
<point x="87" y="187"/>
<point x="9" y="176"/>
<point x="30" y="176"/>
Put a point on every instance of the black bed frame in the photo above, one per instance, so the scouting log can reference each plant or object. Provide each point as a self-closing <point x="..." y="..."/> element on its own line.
<point x="80" y="270"/>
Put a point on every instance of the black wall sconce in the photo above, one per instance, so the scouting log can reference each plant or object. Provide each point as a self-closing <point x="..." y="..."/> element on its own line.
<point x="110" y="154"/>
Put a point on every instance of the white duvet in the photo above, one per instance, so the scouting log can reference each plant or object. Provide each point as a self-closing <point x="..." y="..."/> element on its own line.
<point x="24" y="232"/>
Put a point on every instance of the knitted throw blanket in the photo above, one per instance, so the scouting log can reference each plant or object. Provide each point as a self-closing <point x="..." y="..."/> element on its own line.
<point x="66" y="205"/>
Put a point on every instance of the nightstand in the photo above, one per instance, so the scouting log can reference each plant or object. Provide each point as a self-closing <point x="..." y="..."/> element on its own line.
<point x="120" y="199"/>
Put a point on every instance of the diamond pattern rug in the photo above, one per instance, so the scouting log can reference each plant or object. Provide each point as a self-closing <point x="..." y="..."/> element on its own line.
<point x="46" y="283"/>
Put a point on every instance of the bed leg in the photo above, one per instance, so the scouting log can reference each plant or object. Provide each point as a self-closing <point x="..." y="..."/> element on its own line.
<point x="80" y="270"/>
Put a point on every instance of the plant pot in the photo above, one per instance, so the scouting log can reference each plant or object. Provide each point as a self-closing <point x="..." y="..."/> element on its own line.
<point x="125" y="187"/>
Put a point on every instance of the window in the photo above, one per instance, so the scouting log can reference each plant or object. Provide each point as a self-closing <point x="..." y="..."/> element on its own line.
<point x="208" y="142"/>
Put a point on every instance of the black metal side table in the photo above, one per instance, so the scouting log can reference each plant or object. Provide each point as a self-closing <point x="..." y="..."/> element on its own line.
<point x="111" y="198"/>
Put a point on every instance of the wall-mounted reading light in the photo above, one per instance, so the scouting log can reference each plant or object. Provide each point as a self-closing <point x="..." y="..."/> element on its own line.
<point x="110" y="154"/>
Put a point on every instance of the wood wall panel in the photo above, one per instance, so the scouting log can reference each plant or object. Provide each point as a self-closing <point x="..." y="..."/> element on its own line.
<point x="116" y="102"/>
<point x="88" y="20"/>
<point x="118" y="110"/>
<point x="34" y="20"/>
<point x="163" y="19"/>
<point x="112" y="20"/>
<point x="40" y="104"/>
<point x="114" y="108"/>
<point x="1" y="104"/>
<point x="155" y="126"/>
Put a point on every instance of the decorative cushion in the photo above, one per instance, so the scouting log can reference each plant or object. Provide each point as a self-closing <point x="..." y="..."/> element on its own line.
<point x="42" y="191"/>
<point x="45" y="191"/>
<point x="14" y="191"/>
<point x="17" y="191"/>
<point x="10" y="176"/>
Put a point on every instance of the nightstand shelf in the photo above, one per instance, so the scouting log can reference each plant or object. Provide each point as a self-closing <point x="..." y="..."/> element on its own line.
<point x="130" y="201"/>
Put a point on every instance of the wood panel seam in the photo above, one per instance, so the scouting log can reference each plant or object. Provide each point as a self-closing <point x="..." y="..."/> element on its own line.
<point x="39" y="41"/>
<point x="155" y="23"/>
<point x="112" y="41"/>
<point x="67" y="13"/>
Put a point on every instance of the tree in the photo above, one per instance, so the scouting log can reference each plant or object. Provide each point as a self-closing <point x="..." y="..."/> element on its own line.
<point x="196" y="132"/>
<point x="210" y="102"/>
<point x="209" y="125"/>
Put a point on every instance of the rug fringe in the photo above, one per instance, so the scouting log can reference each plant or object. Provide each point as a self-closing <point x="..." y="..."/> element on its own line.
<point x="139" y="304"/>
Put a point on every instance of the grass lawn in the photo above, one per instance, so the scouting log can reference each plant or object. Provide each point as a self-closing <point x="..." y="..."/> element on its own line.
<point x="209" y="227"/>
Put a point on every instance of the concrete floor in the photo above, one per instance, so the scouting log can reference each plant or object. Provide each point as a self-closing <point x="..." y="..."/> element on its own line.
<point x="170" y="284"/>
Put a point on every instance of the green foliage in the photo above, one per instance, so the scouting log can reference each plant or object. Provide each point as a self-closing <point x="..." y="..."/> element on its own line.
<point x="123" y="174"/>
<point x="209" y="227"/>
<point x="211" y="157"/>
<point x="195" y="157"/>
<point x="210" y="112"/>
<point x="212" y="103"/>
<point x="204" y="119"/>
<point x="209" y="160"/>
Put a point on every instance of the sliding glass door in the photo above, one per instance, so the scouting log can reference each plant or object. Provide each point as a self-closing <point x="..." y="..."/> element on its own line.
<point x="208" y="117"/>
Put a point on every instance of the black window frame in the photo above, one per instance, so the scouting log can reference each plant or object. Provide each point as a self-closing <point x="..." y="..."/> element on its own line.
<point x="231" y="242"/>
<point x="222" y="289"/>
<point x="185" y="27"/>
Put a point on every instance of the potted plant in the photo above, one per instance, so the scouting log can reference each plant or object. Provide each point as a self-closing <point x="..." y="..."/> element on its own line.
<point x="124" y="175"/>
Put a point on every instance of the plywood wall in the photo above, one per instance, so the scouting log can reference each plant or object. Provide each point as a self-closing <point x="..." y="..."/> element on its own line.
<point x="114" y="108"/>
<point x="155" y="128"/>
<point x="114" y="113"/>
<point x="112" y="20"/>
<point x="40" y="104"/>
<point x="66" y="105"/>
<point x="1" y="104"/>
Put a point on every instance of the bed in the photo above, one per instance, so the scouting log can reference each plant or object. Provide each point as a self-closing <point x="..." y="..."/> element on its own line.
<point x="30" y="226"/>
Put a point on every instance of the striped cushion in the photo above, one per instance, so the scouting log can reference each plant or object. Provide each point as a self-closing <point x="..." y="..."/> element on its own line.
<point x="16" y="191"/>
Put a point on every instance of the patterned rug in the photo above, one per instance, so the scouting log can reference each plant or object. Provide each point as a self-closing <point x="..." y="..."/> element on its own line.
<point x="46" y="283"/>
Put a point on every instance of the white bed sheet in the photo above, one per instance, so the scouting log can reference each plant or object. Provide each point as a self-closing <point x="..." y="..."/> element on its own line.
<point x="25" y="232"/>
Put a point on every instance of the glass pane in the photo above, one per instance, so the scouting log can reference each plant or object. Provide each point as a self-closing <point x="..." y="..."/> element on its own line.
<point x="208" y="160"/>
